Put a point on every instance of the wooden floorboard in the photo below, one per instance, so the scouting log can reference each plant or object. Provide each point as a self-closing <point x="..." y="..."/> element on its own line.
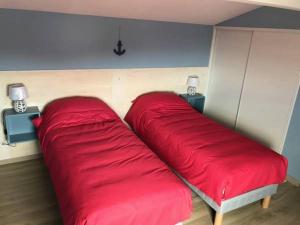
<point x="27" y="198"/>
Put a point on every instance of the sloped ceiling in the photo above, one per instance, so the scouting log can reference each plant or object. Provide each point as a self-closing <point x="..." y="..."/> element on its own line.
<point x="286" y="4"/>
<point x="207" y="12"/>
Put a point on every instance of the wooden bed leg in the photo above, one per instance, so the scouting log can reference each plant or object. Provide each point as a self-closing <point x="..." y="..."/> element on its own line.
<point x="218" y="218"/>
<point x="266" y="202"/>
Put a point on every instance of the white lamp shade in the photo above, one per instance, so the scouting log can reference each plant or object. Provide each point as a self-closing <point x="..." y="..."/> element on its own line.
<point x="192" y="81"/>
<point x="17" y="92"/>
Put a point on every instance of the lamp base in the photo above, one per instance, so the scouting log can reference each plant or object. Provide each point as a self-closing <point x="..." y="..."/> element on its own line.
<point x="191" y="90"/>
<point x="20" y="106"/>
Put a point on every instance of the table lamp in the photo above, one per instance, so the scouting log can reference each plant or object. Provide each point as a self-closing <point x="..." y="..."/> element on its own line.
<point x="18" y="93"/>
<point x="192" y="83"/>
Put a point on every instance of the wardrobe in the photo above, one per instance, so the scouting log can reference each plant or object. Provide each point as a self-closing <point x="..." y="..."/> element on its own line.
<point x="253" y="82"/>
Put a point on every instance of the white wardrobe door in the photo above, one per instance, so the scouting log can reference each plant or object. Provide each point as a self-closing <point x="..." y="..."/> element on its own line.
<point x="270" y="87"/>
<point x="229" y="59"/>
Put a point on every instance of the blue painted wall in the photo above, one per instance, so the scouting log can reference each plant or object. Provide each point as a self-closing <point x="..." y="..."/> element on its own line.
<point x="267" y="17"/>
<point x="292" y="143"/>
<point x="39" y="40"/>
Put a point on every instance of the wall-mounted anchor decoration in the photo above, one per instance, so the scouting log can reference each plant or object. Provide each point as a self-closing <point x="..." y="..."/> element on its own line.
<point x="119" y="51"/>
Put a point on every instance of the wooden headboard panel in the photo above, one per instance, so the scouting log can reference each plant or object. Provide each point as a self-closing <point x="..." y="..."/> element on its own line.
<point x="117" y="87"/>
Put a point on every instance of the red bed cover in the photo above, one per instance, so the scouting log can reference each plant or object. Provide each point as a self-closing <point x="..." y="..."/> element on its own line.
<point x="102" y="173"/>
<point x="218" y="161"/>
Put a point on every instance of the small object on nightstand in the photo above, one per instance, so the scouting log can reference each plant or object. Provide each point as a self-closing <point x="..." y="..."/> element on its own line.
<point x="18" y="93"/>
<point x="18" y="126"/>
<point x="197" y="100"/>
<point x="192" y="83"/>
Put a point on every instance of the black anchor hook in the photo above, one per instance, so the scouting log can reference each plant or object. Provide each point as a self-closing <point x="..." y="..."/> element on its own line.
<point x="119" y="51"/>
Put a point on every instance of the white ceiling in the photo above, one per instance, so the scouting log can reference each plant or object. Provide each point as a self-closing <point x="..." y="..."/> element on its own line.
<point x="208" y="12"/>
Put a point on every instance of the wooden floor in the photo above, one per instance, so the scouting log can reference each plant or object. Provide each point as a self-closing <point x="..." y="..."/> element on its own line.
<point x="27" y="198"/>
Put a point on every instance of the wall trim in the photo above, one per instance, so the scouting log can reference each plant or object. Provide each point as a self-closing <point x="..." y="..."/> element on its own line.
<point x="211" y="59"/>
<point x="257" y="29"/>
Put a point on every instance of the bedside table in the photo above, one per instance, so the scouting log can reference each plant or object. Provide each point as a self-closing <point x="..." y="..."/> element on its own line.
<point x="197" y="100"/>
<point x="18" y="126"/>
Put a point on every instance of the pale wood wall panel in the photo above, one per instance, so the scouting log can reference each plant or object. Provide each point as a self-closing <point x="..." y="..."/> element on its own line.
<point x="117" y="87"/>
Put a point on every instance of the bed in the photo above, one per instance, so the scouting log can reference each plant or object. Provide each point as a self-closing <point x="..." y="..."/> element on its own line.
<point x="102" y="173"/>
<point x="223" y="167"/>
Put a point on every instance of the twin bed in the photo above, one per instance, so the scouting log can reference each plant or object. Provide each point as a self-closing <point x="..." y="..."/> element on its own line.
<point x="103" y="174"/>
<point x="223" y="167"/>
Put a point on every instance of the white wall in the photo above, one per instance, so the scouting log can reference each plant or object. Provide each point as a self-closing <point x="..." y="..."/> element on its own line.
<point x="117" y="87"/>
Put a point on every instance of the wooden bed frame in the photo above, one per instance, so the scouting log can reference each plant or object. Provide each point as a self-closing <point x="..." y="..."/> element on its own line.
<point x="235" y="202"/>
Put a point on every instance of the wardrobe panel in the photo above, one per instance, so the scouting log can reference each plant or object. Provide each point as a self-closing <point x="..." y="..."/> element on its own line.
<point x="270" y="87"/>
<point x="229" y="59"/>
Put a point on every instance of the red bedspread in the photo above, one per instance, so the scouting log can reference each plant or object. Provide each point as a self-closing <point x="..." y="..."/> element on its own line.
<point x="218" y="161"/>
<point x="102" y="173"/>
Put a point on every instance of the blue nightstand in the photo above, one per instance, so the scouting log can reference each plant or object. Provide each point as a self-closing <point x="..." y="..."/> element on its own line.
<point x="197" y="100"/>
<point x="18" y="126"/>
